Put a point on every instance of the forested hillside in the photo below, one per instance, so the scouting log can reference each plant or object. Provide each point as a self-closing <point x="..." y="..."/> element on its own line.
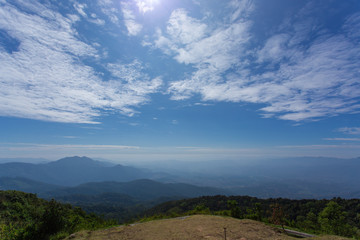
<point x="24" y="216"/>
<point x="337" y="216"/>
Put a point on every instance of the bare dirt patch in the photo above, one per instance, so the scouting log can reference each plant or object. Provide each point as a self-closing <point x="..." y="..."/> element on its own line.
<point x="193" y="227"/>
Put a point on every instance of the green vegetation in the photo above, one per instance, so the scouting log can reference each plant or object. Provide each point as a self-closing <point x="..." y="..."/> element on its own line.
<point x="25" y="216"/>
<point x="337" y="216"/>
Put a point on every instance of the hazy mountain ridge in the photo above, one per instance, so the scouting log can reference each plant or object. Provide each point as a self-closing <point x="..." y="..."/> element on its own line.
<point x="296" y="178"/>
<point x="143" y="190"/>
<point x="119" y="200"/>
<point x="72" y="171"/>
<point x="26" y="185"/>
<point x="24" y="160"/>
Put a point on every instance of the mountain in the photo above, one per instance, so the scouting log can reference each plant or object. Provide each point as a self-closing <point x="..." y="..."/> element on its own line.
<point x="72" y="171"/>
<point x="24" y="160"/>
<point x="117" y="200"/>
<point x="296" y="178"/>
<point x="143" y="189"/>
<point x="26" y="185"/>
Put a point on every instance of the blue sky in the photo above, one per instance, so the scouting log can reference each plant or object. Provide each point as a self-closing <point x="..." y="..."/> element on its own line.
<point x="143" y="80"/>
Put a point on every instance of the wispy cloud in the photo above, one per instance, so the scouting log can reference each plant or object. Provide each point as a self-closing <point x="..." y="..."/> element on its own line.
<point x="146" y="5"/>
<point x="203" y="104"/>
<point x="35" y="146"/>
<point x="301" y="72"/>
<point x="44" y="78"/>
<point x="133" y="27"/>
<point x="343" y="139"/>
<point x="350" y="130"/>
<point x="185" y="153"/>
<point x="70" y="137"/>
<point x="130" y="86"/>
<point x="80" y="8"/>
<point x="108" y="8"/>
<point x="211" y="51"/>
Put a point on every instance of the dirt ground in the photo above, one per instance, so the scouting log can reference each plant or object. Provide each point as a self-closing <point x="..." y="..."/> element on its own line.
<point x="192" y="227"/>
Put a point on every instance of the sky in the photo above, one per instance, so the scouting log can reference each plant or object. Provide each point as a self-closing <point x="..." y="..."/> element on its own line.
<point x="146" y="80"/>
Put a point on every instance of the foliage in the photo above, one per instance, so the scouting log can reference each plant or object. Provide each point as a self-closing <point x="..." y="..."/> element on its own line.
<point x="332" y="220"/>
<point x="25" y="216"/>
<point x="277" y="216"/>
<point x="235" y="211"/>
<point x="337" y="216"/>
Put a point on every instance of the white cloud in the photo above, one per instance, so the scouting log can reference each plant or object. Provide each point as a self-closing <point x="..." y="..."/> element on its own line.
<point x="146" y="5"/>
<point x="203" y="104"/>
<point x="274" y="48"/>
<point x="352" y="26"/>
<point x="80" y="8"/>
<point x="343" y="139"/>
<point x="133" y="85"/>
<point x="94" y="19"/>
<point x="296" y="78"/>
<point x="133" y="27"/>
<point x="184" y="29"/>
<point x="319" y="82"/>
<point x="70" y="137"/>
<point x="107" y="7"/>
<point x="184" y="153"/>
<point x="350" y="130"/>
<point x="212" y="52"/>
<point x="240" y="9"/>
<point x="34" y="146"/>
<point x="44" y="78"/>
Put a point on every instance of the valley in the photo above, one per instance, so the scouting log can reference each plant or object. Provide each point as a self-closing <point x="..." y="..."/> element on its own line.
<point x="146" y="195"/>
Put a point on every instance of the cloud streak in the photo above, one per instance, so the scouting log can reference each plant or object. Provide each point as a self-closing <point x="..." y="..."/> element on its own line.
<point x="44" y="78"/>
<point x="301" y="72"/>
<point x="343" y="139"/>
<point x="133" y="154"/>
<point x="350" y="130"/>
<point x="133" y="27"/>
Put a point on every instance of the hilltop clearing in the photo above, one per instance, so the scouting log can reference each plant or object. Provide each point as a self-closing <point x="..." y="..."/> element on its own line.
<point x="192" y="227"/>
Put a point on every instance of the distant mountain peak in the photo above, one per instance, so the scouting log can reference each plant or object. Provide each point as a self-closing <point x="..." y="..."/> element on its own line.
<point x="76" y="160"/>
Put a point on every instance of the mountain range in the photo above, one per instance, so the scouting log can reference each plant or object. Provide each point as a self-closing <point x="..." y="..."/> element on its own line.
<point x="120" y="192"/>
<point x="114" y="200"/>
<point x="296" y="178"/>
<point x="72" y="171"/>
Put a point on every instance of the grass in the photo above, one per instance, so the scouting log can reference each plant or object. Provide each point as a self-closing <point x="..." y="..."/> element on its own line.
<point x="191" y="227"/>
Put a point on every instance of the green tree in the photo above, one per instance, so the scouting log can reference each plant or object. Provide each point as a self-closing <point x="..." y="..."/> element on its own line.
<point x="332" y="220"/>
<point x="311" y="221"/>
<point x="234" y="208"/>
<point x="255" y="212"/>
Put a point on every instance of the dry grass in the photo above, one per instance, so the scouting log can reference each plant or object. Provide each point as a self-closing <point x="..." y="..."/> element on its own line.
<point x="328" y="237"/>
<point x="193" y="227"/>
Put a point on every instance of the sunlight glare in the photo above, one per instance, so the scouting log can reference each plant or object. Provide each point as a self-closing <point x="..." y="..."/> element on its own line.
<point x="146" y="5"/>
